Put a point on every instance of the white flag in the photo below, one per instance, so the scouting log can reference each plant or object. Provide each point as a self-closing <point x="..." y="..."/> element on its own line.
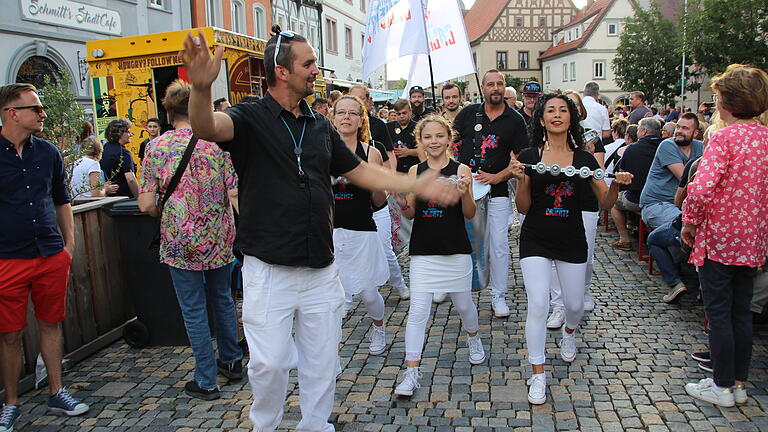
<point x="395" y="29"/>
<point x="448" y="46"/>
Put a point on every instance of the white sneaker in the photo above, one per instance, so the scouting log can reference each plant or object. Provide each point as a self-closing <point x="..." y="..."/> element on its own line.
<point x="568" y="346"/>
<point x="705" y="391"/>
<point x="499" y="305"/>
<point x="439" y="298"/>
<point x="537" y="389"/>
<point x="378" y="340"/>
<point x="476" y="351"/>
<point x="556" y="318"/>
<point x="405" y="292"/>
<point x="589" y="302"/>
<point x="410" y="382"/>
<point x="739" y="394"/>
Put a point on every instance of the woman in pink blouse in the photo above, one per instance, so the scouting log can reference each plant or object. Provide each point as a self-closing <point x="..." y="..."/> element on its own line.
<point x="726" y="223"/>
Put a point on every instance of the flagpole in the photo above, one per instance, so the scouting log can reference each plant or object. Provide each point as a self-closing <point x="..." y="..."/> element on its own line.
<point x="479" y="89"/>
<point x="429" y="55"/>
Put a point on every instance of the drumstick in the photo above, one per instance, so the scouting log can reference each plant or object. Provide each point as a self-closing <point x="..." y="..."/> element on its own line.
<point x="570" y="171"/>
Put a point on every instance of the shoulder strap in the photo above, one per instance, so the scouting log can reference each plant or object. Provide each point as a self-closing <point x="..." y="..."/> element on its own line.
<point x="179" y="171"/>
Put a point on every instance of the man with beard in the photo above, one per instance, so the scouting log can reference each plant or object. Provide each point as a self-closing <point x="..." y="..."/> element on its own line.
<point x="658" y="197"/>
<point x="416" y="97"/>
<point x="531" y="92"/>
<point x="490" y="135"/>
<point x="401" y="131"/>
<point x="451" y="94"/>
<point x="287" y="153"/>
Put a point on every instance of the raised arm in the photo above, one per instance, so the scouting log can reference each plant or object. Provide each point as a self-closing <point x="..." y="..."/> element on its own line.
<point x="202" y="70"/>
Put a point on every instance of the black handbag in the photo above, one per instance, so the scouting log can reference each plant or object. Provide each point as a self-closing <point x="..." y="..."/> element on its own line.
<point x="172" y="187"/>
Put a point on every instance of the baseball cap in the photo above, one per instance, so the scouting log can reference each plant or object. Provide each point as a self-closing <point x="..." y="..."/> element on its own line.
<point x="532" y="87"/>
<point x="416" y="89"/>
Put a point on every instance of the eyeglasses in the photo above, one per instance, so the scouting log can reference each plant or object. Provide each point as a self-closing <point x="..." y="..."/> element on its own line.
<point x="342" y="113"/>
<point x="289" y="35"/>
<point x="38" y="108"/>
<point x="508" y="97"/>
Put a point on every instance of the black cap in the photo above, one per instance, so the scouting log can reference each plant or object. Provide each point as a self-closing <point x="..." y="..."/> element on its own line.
<point x="532" y="87"/>
<point x="416" y="89"/>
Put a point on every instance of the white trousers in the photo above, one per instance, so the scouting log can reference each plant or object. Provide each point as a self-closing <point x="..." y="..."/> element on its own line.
<point x="590" y="220"/>
<point x="373" y="301"/>
<point x="418" y="315"/>
<point x="275" y="298"/>
<point x="537" y="278"/>
<point x="496" y="236"/>
<point x="384" y="228"/>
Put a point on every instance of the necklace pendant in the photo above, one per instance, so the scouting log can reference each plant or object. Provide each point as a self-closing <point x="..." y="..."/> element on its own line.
<point x="297" y="151"/>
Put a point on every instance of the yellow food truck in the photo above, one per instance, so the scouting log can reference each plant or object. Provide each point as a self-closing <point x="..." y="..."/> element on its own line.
<point x="129" y="75"/>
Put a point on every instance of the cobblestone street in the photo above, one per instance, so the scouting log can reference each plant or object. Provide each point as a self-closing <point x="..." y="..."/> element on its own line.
<point x="629" y="374"/>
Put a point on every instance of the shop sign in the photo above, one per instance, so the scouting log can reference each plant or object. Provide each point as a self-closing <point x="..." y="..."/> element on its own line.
<point x="67" y="13"/>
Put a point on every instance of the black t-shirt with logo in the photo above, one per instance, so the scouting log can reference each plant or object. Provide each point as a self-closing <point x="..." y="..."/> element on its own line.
<point x="504" y="135"/>
<point x="439" y="230"/>
<point x="353" y="205"/>
<point x="403" y="136"/>
<point x="553" y="226"/>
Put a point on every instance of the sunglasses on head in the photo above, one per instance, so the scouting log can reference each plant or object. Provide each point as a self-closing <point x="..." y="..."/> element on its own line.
<point x="38" y="108"/>
<point x="286" y="34"/>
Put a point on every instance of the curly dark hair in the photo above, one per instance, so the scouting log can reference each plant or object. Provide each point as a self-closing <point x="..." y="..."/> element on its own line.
<point x="537" y="133"/>
<point x="115" y="129"/>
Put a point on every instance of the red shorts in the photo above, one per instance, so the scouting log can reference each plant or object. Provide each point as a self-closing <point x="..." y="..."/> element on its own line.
<point x="45" y="278"/>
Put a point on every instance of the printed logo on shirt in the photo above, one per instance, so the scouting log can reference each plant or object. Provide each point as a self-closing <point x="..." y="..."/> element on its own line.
<point x="489" y="142"/>
<point x="433" y="211"/>
<point x="342" y="194"/>
<point x="563" y="190"/>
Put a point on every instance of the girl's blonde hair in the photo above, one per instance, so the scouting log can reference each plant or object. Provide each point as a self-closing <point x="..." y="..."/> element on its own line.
<point x="434" y="118"/>
<point x="364" y="132"/>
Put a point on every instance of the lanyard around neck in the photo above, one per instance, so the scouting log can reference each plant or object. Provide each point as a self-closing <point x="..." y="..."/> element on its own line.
<point x="297" y="146"/>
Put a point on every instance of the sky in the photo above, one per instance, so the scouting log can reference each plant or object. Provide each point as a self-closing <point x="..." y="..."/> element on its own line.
<point x="399" y="68"/>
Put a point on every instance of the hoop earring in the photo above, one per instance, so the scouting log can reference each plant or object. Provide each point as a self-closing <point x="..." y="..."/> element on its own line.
<point x="546" y="143"/>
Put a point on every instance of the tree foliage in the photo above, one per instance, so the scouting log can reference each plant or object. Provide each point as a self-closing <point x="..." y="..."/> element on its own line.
<point x="517" y="82"/>
<point x="648" y="56"/>
<point x="65" y="118"/>
<point x="723" y="32"/>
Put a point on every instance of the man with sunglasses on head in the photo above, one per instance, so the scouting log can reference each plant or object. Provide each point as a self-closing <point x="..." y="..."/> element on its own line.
<point x="490" y="135"/>
<point x="36" y="245"/>
<point x="288" y="154"/>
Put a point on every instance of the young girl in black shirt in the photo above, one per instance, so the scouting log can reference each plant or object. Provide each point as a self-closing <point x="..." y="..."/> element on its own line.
<point x="440" y="250"/>
<point x="553" y="230"/>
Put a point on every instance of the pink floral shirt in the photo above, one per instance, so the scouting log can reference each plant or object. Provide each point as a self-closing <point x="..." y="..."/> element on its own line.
<point x="197" y="227"/>
<point x="728" y="198"/>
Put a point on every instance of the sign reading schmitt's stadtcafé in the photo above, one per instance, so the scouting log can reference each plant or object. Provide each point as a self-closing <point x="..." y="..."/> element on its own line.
<point x="67" y="13"/>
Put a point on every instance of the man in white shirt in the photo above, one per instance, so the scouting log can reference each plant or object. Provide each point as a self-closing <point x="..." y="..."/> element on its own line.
<point x="597" y="115"/>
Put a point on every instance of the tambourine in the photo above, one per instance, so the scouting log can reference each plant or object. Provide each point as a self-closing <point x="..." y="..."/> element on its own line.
<point x="479" y="190"/>
<point x="569" y="171"/>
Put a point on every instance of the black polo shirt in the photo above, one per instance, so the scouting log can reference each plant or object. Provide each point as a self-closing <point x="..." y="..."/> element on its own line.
<point x="116" y="161"/>
<point x="526" y="117"/>
<point x="403" y="136"/>
<point x="286" y="218"/>
<point x="504" y="135"/>
<point x="379" y="132"/>
<point x="31" y="187"/>
<point x="425" y="112"/>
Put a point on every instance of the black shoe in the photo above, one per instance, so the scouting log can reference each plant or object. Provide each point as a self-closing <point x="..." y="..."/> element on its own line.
<point x="192" y="389"/>
<point x="701" y="356"/>
<point x="705" y="367"/>
<point x="233" y="371"/>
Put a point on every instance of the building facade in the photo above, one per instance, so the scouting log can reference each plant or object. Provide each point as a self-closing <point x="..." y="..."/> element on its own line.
<point x="47" y="37"/>
<point x="250" y="17"/>
<point x="511" y="35"/>
<point x="344" y="30"/>
<point x="302" y="17"/>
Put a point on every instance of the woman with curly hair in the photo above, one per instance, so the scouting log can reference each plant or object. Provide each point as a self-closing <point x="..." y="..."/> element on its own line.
<point x="553" y="231"/>
<point x="117" y="161"/>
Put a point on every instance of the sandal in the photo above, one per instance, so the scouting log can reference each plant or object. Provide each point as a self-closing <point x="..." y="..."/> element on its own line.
<point x="622" y="245"/>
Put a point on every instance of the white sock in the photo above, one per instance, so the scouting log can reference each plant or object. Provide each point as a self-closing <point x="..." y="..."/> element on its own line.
<point x="717" y="388"/>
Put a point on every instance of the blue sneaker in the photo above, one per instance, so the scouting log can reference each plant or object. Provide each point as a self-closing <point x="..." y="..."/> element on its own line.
<point x="63" y="403"/>
<point x="8" y="416"/>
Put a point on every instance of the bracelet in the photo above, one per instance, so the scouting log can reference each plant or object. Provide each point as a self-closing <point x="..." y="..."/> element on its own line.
<point x="570" y="171"/>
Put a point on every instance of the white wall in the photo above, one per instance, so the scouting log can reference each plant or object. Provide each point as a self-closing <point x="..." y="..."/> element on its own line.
<point x="347" y="14"/>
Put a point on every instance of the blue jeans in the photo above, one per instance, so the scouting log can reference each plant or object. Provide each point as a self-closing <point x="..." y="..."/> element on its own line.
<point x="657" y="214"/>
<point x="666" y="251"/>
<point x="191" y="288"/>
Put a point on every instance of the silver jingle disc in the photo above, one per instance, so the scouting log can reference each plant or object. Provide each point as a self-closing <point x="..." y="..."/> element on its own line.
<point x="478" y="127"/>
<point x="554" y="169"/>
<point x="540" y="167"/>
<point x="570" y="171"/>
<point x="585" y="172"/>
<point x="398" y="130"/>
<point x="599" y="174"/>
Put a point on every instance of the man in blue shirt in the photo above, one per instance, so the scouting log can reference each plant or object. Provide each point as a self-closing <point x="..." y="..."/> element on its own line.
<point x="658" y="197"/>
<point x="36" y="245"/>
